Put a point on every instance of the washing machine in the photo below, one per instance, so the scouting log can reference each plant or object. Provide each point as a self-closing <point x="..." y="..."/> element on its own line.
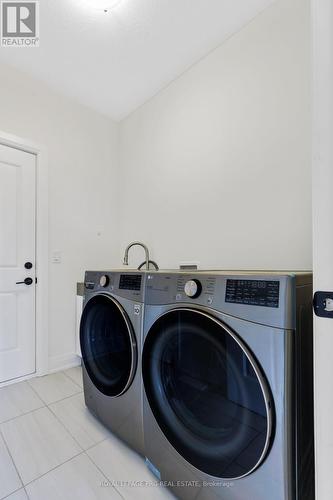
<point x="110" y="338"/>
<point x="228" y="384"/>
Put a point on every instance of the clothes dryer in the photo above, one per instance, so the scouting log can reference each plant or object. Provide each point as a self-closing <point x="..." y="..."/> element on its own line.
<point x="228" y="378"/>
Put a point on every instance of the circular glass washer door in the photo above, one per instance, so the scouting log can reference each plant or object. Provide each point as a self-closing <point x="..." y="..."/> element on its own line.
<point x="108" y="345"/>
<point x="207" y="393"/>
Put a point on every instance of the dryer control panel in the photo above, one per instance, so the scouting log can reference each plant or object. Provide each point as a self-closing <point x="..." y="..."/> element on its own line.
<point x="168" y="288"/>
<point x="129" y="285"/>
<point x="264" y="298"/>
<point x="253" y="292"/>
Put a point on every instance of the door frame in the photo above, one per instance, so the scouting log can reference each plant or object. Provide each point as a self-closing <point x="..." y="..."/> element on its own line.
<point x="322" y="160"/>
<point x="41" y="312"/>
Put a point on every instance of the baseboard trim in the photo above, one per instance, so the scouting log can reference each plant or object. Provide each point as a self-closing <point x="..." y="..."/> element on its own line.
<point x="17" y="380"/>
<point x="63" y="362"/>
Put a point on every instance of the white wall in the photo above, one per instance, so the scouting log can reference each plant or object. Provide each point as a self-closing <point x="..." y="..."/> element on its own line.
<point x="81" y="146"/>
<point x="323" y="238"/>
<point x="216" y="168"/>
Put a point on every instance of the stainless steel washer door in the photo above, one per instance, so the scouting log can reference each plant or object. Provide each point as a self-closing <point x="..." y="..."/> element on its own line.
<point x="207" y="393"/>
<point x="108" y="345"/>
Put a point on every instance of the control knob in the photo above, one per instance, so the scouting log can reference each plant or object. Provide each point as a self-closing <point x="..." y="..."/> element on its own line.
<point x="193" y="288"/>
<point x="104" y="281"/>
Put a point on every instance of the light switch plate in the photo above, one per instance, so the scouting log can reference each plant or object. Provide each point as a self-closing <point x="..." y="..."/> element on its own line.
<point x="56" y="257"/>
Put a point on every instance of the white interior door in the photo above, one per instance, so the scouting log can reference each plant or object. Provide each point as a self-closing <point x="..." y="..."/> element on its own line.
<point x="17" y="250"/>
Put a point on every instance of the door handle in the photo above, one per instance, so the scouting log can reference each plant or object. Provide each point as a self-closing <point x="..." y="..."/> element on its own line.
<point x="27" y="281"/>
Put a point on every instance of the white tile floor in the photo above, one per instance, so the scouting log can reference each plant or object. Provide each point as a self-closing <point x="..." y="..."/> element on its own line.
<point x="52" y="447"/>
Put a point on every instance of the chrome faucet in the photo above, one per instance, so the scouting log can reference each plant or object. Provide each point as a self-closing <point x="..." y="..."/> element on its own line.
<point x="136" y="243"/>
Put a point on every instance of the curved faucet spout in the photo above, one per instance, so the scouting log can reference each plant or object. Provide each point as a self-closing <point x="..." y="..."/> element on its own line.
<point x="140" y="244"/>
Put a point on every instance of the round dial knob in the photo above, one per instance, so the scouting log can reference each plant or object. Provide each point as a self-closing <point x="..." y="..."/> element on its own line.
<point x="104" y="280"/>
<point x="193" y="288"/>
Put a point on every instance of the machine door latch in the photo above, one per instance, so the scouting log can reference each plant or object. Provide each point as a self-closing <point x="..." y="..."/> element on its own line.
<point x="323" y="304"/>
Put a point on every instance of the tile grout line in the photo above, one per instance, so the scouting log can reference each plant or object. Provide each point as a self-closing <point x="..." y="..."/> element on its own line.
<point x="70" y="378"/>
<point x="82" y="452"/>
<point x="12" y="493"/>
<point x="67" y="430"/>
<point x="92" y="461"/>
<point x="72" y="436"/>
<point x="45" y="405"/>
<point x="63" y="399"/>
<point x="62" y="425"/>
<point x="68" y="460"/>
<point x="34" y="390"/>
<point x="51" y="402"/>
<point x="53" y="468"/>
<point x="100" y="470"/>
<point x="12" y="459"/>
<point x="23" y="414"/>
<point x="58" y="400"/>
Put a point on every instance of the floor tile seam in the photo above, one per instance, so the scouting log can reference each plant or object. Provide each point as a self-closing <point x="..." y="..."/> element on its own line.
<point x="80" y="389"/>
<point x="72" y="436"/>
<point x="12" y="459"/>
<point x="52" y="469"/>
<point x="70" y="378"/>
<point x="100" y="470"/>
<point x="12" y="493"/>
<point x="63" y="399"/>
<point x="23" y="414"/>
<point x="65" y="428"/>
<point x="34" y="390"/>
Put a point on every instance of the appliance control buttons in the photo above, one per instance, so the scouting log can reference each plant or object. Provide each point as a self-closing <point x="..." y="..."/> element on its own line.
<point x="193" y="288"/>
<point x="104" y="280"/>
<point x="90" y="285"/>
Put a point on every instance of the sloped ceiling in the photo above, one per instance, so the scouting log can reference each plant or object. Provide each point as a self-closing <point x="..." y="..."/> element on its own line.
<point x="115" y="61"/>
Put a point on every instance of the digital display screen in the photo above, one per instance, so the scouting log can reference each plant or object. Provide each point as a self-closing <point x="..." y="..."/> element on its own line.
<point x="130" y="282"/>
<point x="253" y="292"/>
